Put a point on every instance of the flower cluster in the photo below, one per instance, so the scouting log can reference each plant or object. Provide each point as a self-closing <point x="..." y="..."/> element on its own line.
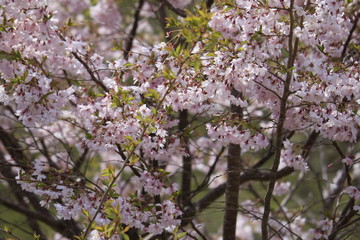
<point x="152" y="218"/>
<point x="153" y="185"/>
<point x="232" y="135"/>
<point x="135" y="211"/>
<point x="281" y="188"/>
<point x="324" y="229"/>
<point x="353" y="193"/>
<point x="326" y="26"/>
<point x="261" y="35"/>
<point x="290" y="159"/>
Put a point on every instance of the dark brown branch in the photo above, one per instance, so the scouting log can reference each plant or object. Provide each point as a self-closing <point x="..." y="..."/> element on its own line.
<point x="352" y="231"/>
<point x="263" y="160"/>
<point x="329" y="202"/>
<point x="175" y="10"/>
<point x="91" y="73"/>
<point x="162" y="16"/>
<point x="246" y="176"/>
<point x="270" y="153"/>
<point x="352" y="30"/>
<point x="344" y="219"/>
<point x="338" y="149"/>
<point x="6" y="232"/>
<point x="293" y="48"/>
<point x="80" y="161"/>
<point x="198" y="231"/>
<point x="13" y="148"/>
<point x="16" y="189"/>
<point x="130" y="40"/>
<point x="206" y="180"/>
<point x="5" y="171"/>
<point x="253" y="175"/>
<point x="120" y="151"/>
<point x="17" y="153"/>
<point x="348" y="176"/>
<point x="209" y="3"/>
<point x="16" y="225"/>
<point x="61" y="226"/>
<point x="309" y="144"/>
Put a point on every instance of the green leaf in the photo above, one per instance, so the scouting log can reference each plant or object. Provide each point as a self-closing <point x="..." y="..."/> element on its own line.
<point x="285" y="52"/>
<point x="154" y="111"/>
<point x="117" y="46"/>
<point x="126" y="237"/>
<point x="129" y="138"/>
<point x="70" y="23"/>
<point x="36" y="236"/>
<point x="181" y="234"/>
<point x="13" y="56"/>
<point x="257" y="36"/>
<point x="6" y="229"/>
<point x="89" y="136"/>
<point x="94" y="2"/>
<point x="116" y="100"/>
<point x="320" y="47"/>
<point x="178" y="50"/>
<point x="47" y="17"/>
<point x="44" y="97"/>
<point x="152" y="93"/>
<point x="134" y="159"/>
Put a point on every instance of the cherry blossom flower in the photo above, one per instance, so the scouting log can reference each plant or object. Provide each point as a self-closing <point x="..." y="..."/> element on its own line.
<point x="290" y="159"/>
<point x="281" y="188"/>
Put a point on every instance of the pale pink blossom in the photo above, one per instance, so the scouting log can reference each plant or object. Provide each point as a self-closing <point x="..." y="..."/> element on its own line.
<point x="281" y="188"/>
<point x="347" y="161"/>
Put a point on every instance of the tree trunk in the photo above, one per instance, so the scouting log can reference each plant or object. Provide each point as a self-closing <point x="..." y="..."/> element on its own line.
<point x="232" y="183"/>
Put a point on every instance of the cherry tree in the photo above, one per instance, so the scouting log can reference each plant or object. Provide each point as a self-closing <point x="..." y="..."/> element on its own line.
<point x="142" y="119"/>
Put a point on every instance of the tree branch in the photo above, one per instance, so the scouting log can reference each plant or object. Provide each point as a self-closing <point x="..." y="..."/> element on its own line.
<point x="130" y="40"/>
<point x="245" y="176"/>
<point x="352" y="30"/>
<point x="252" y="175"/>
<point x="279" y="130"/>
<point x="206" y="180"/>
<point x="62" y="226"/>
<point x="175" y="10"/>
<point x="88" y="69"/>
